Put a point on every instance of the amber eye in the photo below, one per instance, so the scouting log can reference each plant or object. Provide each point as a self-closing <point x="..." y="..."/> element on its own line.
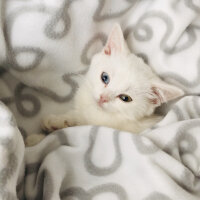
<point x="105" y="78"/>
<point x="125" y="98"/>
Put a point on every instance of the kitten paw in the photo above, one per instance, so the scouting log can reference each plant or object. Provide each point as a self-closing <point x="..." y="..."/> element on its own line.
<point x="53" y="122"/>
<point x="33" y="139"/>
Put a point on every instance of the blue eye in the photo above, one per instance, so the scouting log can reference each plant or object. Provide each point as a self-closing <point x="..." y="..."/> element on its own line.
<point x="105" y="78"/>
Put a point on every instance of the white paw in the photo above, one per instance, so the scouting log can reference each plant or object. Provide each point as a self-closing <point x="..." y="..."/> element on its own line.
<point x="53" y="122"/>
<point x="34" y="139"/>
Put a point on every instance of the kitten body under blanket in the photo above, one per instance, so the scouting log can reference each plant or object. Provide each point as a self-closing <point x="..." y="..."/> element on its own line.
<point x="118" y="91"/>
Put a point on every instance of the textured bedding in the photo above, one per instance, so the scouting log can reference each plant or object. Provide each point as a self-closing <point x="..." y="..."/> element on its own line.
<point x="45" y="46"/>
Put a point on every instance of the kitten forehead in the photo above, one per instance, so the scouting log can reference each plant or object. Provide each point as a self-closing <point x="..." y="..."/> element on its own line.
<point x="125" y="66"/>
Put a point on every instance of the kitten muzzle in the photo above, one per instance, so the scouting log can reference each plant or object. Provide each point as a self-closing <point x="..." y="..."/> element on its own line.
<point x="103" y="99"/>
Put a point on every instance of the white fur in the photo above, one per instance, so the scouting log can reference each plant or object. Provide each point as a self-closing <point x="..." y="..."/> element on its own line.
<point x="128" y="75"/>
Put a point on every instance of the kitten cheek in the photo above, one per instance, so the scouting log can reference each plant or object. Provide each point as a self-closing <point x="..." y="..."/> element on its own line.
<point x="96" y="98"/>
<point x="96" y="93"/>
<point x="107" y="107"/>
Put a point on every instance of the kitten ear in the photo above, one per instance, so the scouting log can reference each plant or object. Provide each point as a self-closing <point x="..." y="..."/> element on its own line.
<point x="115" y="42"/>
<point x="163" y="92"/>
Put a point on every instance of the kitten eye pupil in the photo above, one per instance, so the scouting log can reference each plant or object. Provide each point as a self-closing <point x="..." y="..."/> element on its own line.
<point x="125" y="98"/>
<point x="105" y="78"/>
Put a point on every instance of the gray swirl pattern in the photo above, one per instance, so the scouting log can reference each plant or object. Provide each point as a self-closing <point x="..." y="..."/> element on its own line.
<point x="8" y="171"/>
<point x="144" y="145"/>
<point x="100" y="37"/>
<point x="20" y="97"/>
<point x="57" y="98"/>
<point x="98" y="16"/>
<point x="157" y="196"/>
<point x="36" y="52"/>
<point x="184" y="142"/>
<point x="192" y="5"/>
<point x="81" y="194"/>
<point x="13" y="52"/>
<point x="147" y="29"/>
<point x="181" y="80"/>
<point x="61" y="17"/>
<point x="102" y="171"/>
<point x="65" y="165"/>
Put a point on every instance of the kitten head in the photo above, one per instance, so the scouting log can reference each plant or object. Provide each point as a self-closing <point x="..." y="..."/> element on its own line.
<point x="123" y="84"/>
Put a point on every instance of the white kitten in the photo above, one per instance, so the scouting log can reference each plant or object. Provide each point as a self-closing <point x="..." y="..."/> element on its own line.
<point x="119" y="91"/>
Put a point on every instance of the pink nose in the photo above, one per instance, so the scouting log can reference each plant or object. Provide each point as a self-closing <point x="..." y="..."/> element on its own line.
<point x="103" y="99"/>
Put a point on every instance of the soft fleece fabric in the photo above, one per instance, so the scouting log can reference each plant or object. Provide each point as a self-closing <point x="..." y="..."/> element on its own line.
<point x="45" y="44"/>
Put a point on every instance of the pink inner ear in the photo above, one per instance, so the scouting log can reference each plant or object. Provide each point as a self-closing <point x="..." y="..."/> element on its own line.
<point x="115" y="41"/>
<point x="107" y="51"/>
<point x="164" y="92"/>
<point x="157" y="100"/>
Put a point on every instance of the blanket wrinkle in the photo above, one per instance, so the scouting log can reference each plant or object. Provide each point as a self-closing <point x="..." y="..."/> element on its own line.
<point x="45" y="47"/>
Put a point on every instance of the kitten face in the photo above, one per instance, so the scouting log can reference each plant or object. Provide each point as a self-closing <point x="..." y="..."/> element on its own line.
<point x="128" y="88"/>
<point x="122" y="83"/>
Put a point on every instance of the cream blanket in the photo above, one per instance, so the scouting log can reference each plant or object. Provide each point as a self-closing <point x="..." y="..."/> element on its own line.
<point x="45" y="44"/>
